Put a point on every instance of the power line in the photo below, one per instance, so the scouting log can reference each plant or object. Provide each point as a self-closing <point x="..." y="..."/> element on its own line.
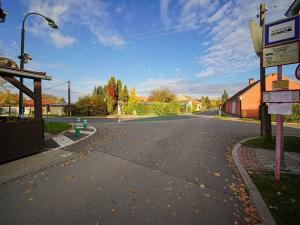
<point x="56" y="85"/>
<point x="176" y="29"/>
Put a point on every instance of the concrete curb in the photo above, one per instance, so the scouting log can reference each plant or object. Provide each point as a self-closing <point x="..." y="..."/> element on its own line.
<point x="263" y="211"/>
<point x="74" y="142"/>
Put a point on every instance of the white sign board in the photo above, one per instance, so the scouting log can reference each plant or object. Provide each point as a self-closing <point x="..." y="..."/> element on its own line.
<point x="281" y="96"/>
<point x="256" y="35"/>
<point x="280" y="108"/>
<point x="281" y="55"/>
<point x="282" y="31"/>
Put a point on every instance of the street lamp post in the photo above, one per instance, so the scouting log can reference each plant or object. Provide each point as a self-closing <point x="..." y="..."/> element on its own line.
<point x="25" y="57"/>
<point x="3" y="14"/>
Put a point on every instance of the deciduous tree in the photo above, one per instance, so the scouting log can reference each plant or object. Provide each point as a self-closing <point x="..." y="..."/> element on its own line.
<point x="8" y="99"/>
<point x="162" y="95"/>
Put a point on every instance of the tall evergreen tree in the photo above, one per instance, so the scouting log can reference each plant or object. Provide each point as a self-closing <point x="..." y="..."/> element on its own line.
<point x="224" y="96"/>
<point x="119" y="90"/>
<point x="125" y="94"/>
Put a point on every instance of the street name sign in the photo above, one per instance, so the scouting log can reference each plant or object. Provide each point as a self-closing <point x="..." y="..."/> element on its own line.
<point x="281" y="31"/>
<point x="291" y="96"/>
<point x="297" y="72"/>
<point x="280" y="108"/>
<point x="280" y="85"/>
<point x="281" y="55"/>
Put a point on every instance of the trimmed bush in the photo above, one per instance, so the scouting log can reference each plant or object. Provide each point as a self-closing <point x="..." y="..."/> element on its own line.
<point x="156" y="108"/>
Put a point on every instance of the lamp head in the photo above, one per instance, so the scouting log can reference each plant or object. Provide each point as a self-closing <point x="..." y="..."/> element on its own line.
<point x="3" y="15"/>
<point x="51" y="23"/>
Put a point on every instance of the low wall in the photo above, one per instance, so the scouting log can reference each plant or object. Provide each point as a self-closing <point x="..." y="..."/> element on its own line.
<point x="20" y="138"/>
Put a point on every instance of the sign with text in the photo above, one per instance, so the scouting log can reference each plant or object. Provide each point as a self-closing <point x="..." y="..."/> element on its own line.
<point x="282" y="96"/>
<point x="281" y="31"/>
<point x="280" y="108"/>
<point x="281" y="55"/>
<point x="280" y="85"/>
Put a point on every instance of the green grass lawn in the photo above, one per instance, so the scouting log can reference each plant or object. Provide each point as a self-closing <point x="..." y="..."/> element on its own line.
<point x="291" y="143"/>
<point x="283" y="200"/>
<point x="56" y="127"/>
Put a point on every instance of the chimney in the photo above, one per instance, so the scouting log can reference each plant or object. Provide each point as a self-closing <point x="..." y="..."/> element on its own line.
<point x="251" y="81"/>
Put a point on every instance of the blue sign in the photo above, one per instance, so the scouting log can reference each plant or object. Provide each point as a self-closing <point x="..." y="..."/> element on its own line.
<point x="281" y="31"/>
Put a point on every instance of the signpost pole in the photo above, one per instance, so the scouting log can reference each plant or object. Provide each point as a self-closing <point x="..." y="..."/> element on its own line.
<point x="279" y="136"/>
<point x="265" y="119"/>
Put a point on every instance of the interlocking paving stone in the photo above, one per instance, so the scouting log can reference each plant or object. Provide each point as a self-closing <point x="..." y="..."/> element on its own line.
<point x="264" y="159"/>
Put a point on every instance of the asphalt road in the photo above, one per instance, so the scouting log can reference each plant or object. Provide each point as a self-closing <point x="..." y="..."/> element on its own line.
<point x="166" y="170"/>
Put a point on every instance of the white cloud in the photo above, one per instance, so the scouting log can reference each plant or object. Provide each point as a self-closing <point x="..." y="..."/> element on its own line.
<point x="219" y="14"/>
<point x="120" y="9"/>
<point x="93" y="15"/>
<point x="176" y="85"/>
<point x="60" y="40"/>
<point x="206" y="72"/>
<point x="186" y="87"/>
<point x="227" y="46"/>
<point x="164" y="12"/>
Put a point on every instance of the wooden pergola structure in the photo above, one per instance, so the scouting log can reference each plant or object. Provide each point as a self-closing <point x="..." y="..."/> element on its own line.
<point x="23" y="137"/>
<point x="10" y="74"/>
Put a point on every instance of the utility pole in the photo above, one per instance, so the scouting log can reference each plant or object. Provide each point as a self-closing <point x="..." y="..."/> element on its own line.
<point x="265" y="118"/>
<point x="69" y="98"/>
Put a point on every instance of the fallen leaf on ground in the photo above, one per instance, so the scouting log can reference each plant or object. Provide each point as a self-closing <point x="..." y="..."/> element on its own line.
<point x="132" y="190"/>
<point x="202" y="185"/>
<point x="217" y="174"/>
<point x="29" y="199"/>
<point x="196" y="211"/>
<point x="69" y="177"/>
<point x="147" y="200"/>
<point x="28" y="191"/>
<point x="113" y="210"/>
<point x="206" y="195"/>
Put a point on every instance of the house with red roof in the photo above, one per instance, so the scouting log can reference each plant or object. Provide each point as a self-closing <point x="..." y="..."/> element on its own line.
<point x="245" y="103"/>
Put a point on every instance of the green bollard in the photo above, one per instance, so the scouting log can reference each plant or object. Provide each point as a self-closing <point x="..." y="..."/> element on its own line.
<point x="78" y="120"/>
<point x="85" y="123"/>
<point x="77" y="130"/>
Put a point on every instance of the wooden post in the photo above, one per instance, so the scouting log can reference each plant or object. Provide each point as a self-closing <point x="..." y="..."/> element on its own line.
<point x="279" y="136"/>
<point x="69" y="98"/>
<point x="38" y="99"/>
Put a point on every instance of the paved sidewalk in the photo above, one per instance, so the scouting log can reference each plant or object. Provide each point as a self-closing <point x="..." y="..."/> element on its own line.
<point x="264" y="159"/>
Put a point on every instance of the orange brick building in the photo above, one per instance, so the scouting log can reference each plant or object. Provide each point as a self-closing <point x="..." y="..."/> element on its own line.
<point x="245" y="103"/>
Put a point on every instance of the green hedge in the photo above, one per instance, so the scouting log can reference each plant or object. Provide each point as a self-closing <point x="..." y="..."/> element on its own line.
<point x="155" y="108"/>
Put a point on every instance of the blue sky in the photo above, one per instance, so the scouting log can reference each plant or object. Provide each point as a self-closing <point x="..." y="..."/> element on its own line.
<point x="194" y="47"/>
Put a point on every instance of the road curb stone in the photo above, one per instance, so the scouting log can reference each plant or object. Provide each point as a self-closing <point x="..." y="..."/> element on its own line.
<point x="263" y="211"/>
